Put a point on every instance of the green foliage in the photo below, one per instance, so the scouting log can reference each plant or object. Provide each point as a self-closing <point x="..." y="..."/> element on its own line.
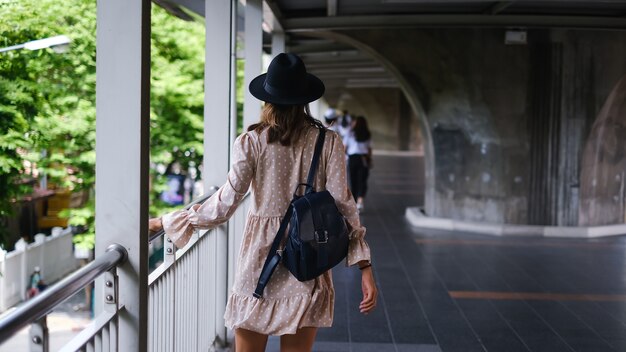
<point x="240" y="92"/>
<point x="83" y="218"/>
<point x="177" y="97"/>
<point x="47" y="100"/>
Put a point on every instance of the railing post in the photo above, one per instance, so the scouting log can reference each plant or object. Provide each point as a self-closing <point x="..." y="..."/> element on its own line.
<point x="25" y="274"/>
<point x="219" y="83"/>
<point x="122" y="158"/>
<point x="39" y="341"/>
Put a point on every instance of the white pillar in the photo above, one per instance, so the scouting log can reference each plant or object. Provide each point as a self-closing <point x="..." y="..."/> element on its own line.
<point x="315" y="108"/>
<point x="253" y="46"/>
<point x="219" y="73"/>
<point x="122" y="162"/>
<point x="278" y="43"/>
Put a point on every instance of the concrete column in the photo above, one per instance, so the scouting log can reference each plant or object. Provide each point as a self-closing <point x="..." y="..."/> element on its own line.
<point x="253" y="47"/>
<point x="122" y="148"/>
<point x="218" y="109"/>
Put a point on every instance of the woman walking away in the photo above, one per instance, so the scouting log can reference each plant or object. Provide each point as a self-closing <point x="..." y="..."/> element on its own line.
<point x="272" y="158"/>
<point x="359" y="150"/>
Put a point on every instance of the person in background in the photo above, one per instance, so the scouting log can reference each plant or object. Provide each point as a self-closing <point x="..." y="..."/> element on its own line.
<point x="330" y="118"/>
<point x="36" y="284"/>
<point x="344" y="126"/>
<point x="359" y="150"/>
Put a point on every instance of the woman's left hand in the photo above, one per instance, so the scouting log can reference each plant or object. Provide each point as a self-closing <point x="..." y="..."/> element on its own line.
<point x="370" y="292"/>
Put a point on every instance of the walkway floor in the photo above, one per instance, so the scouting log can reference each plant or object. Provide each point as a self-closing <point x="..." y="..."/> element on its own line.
<point x="458" y="292"/>
<point x="463" y="292"/>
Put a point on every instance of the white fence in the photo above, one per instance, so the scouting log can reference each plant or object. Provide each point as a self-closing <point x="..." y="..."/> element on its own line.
<point x="53" y="254"/>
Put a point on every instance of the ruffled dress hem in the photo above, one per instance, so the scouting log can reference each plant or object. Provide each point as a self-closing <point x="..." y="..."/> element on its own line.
<point x="280" y="316"/>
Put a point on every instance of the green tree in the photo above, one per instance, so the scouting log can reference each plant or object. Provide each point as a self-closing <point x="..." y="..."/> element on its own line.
<point x="47" y="100"/>
<point x="177" y="97"/>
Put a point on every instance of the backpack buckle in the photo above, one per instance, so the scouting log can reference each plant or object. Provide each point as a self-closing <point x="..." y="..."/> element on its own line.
<point x="321" y="236"/>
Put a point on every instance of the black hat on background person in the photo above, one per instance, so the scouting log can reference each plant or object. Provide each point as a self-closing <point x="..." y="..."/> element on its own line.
<point x="287" y="82"/>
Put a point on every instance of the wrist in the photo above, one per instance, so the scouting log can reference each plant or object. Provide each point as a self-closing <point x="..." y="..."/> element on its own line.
<point x="365" y="265"/>
<point x="156" y="224"/>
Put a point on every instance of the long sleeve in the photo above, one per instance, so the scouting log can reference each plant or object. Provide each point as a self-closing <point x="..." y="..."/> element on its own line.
<point x="337" y="185"/>
<point x="179" y="225"/>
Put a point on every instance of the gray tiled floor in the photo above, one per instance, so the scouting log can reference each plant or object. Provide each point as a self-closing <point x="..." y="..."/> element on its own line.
<point x="418" y="271"/>
<point x="327" y="346"/>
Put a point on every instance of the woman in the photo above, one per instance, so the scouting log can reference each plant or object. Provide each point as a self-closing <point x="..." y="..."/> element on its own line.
<point x="359" y="150"/>
<point x="272" y="157"/>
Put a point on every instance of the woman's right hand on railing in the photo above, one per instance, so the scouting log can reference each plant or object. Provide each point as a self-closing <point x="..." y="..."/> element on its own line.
<point x="155" y="225"/>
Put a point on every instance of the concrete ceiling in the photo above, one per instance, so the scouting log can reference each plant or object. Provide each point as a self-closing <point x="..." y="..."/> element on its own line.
<point x="341" y="66"/>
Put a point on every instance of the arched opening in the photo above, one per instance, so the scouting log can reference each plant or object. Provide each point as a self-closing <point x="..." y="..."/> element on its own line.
<point x="408" y="103"/>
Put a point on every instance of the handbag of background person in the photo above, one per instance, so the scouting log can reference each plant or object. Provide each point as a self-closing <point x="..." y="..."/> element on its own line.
<point x="317" y="233"/>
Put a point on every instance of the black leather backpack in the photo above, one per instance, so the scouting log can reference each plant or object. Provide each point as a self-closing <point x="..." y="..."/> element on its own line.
<point x="317" y="234"/>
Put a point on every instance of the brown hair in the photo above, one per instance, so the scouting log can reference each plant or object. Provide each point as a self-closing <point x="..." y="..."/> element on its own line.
<point x="361" y="131"/>
<point x="284" y="122"/>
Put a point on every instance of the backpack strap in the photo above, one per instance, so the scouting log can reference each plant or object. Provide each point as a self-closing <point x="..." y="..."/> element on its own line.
<point x="315" y="161"/>
<point x="273" y="257"/>
<point x="320" y="235"/>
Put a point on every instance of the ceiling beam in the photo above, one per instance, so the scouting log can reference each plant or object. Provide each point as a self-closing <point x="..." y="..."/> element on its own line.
<point x="195" y="6"/>
<point x="270" y="18"/>
<point x="356" y="70"/>
<point x="353" y="76"/>
<point x="499" y="7"/>
<point x="274" y="9"/>
<point x="319" y="48"/>
<point x="338" y="61"/>
<point x="336" y="57"/>
<point x="341" y="66"/>
<point x="314" y="24"/>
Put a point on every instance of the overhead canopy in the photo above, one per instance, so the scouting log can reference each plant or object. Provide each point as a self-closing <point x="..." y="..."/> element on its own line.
<point x="346" y="14"/>
<point x="342" y="66"/>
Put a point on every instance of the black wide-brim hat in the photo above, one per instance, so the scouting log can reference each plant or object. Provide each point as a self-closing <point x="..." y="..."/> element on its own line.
<point x="287" y="82"/>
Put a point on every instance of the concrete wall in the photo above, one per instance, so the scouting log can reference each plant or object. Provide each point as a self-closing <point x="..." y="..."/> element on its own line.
<point x="506" y="124"/>
<point x="603" y="191"/>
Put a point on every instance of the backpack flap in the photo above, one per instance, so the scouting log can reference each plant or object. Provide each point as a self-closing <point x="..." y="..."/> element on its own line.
<point x="318" y="236"/>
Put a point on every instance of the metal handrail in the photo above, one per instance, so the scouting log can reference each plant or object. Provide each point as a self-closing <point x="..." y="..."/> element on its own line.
<point x="45" y="302"/>
<point x="199" y="200"/>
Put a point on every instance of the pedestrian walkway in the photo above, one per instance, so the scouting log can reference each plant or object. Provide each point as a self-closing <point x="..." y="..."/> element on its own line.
<point x="450" y="292"/>
<point x="462" y="292"/>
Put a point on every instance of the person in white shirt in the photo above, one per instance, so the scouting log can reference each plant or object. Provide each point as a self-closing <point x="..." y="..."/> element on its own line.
<point x="344" y="126"/>
<point x="359" y="150"/>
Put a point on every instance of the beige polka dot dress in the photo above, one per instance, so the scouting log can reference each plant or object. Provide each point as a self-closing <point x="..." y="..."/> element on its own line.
<point x="272" y="172"/>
